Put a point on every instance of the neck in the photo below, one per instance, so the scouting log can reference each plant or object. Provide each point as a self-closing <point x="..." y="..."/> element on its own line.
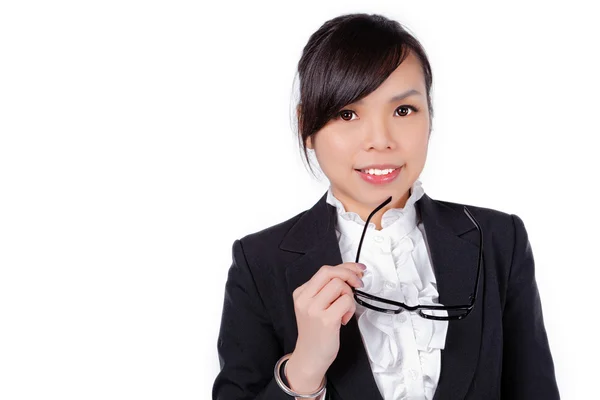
<point x="364" y="210"/>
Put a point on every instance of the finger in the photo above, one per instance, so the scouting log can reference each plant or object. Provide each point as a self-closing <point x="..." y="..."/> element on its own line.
<point x="296" y="293"/>
<point x="330" y="293"/>
<point x="342" y="309"/>
<point x="348" y="316"/>
<point x="324" y="275"/>
<point x="353" y="267"/>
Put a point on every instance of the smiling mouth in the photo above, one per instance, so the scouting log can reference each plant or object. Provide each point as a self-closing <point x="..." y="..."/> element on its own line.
<point x="379" y="177"/>
<point x="377" y="172"/>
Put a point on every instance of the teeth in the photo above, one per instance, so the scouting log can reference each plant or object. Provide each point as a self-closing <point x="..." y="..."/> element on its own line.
<point x="377" y="171"/>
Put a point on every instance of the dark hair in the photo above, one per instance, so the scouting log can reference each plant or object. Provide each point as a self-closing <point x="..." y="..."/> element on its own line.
<point x="347" y="58"/>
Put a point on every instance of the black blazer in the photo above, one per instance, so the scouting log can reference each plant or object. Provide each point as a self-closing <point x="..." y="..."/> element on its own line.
<point x="499" y="351"/>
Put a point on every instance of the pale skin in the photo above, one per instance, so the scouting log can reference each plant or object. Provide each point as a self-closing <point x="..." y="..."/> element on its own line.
<point x="375" y="130"/>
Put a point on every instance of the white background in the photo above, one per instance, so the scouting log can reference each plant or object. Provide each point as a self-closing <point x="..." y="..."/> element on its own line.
<point x="140" y="139"/>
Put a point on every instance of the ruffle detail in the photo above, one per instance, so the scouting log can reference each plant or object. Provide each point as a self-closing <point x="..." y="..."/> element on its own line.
<point x="389" y="217"/>
<point x="382" y="344"/>
<point x="391" y="256"/>
<point x="415" y="288"/>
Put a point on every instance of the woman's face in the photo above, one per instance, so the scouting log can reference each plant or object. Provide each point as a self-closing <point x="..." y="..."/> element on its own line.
<point x="377" y="130"/>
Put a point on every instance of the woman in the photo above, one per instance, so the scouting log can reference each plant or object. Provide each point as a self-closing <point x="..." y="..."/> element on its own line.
<point x="303" y="318"/>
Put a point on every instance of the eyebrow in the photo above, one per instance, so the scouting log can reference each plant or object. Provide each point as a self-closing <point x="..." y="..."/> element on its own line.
<point x="398" y="97"/>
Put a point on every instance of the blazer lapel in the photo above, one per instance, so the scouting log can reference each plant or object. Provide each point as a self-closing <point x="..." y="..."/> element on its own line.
<point x="453" y="246"/>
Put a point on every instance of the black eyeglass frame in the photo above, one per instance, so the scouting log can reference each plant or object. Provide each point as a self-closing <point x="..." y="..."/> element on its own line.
<point x="401" y="306"/>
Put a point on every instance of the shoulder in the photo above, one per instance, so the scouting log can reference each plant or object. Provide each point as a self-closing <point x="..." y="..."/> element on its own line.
<point x="486" y="216"/>
<point x="504" y="233"/>
<point x="264" y="243"/>
<point x="271" y="234"/>
<point x="501" y="228"/>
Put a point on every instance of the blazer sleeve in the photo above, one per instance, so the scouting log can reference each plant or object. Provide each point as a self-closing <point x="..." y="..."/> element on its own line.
<point x="247" y="346"/>
<point x="527" y="367"/>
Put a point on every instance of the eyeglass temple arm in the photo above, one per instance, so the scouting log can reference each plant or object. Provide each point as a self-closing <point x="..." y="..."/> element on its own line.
<point x="379" y="207"/>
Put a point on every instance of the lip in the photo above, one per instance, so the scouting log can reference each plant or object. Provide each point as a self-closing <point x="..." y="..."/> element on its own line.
<point x="380" y="166"/>
<point x="380" y="179"/>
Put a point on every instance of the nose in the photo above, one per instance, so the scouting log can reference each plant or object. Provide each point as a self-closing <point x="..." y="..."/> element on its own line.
<point x="379" y="137"/>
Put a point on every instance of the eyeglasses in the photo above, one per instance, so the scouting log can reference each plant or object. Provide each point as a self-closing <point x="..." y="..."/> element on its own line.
<point x="426" y="311"/>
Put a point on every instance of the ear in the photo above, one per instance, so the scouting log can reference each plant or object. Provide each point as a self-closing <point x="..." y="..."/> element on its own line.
<point x="309" y="142"/>
<point x="299" y="115"/>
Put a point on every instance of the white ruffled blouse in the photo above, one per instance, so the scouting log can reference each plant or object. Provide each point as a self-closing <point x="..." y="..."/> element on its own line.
<point x="404" y="349"/>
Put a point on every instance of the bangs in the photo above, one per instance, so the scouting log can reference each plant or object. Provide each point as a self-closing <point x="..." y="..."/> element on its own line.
<point x="346" y="59"/>
<point x="351" y="62"/>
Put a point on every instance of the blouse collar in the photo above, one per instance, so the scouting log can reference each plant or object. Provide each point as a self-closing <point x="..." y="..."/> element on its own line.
<point x="407" y="214"/>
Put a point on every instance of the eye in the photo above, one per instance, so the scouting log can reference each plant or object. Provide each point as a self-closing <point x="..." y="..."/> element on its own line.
<point x="345" y="114"/>
<point x="404" y="110"/>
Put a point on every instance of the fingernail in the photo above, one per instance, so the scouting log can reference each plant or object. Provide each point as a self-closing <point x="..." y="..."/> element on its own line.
<point x="362" y="284"/>
<point x="362" y="266"/>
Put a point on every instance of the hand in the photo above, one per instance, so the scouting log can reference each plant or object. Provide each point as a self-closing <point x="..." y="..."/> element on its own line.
<point x="322" y="305"/>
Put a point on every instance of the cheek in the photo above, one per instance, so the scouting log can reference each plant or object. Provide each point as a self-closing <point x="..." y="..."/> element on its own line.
<point x="335" y="162"/>
<point x="336" y="150"/>
<point x="416" y="144"/>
